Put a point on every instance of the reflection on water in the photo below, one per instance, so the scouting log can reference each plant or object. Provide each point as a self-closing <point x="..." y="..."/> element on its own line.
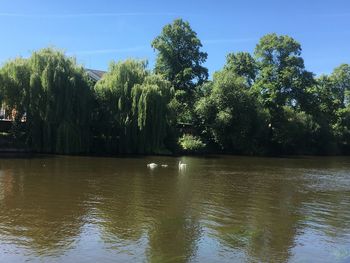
<point x="223" y="209"/>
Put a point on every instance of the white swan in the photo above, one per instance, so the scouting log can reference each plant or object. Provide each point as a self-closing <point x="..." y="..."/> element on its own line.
<point x="152" y="165"/>
<point x="182" y="166"/>
<point x="164" y="165"/>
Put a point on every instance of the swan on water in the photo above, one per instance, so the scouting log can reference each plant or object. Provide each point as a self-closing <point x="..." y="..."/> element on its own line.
<point x="152" y="165"/>
<point x="164" y="165"/>
<point x="182" y="166"/>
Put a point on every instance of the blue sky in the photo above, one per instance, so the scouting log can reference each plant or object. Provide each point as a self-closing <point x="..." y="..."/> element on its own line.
<point x="97" y="32"/>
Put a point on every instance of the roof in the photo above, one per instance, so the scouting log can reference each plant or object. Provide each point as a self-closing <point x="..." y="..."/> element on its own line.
<point x="96" y="75"/>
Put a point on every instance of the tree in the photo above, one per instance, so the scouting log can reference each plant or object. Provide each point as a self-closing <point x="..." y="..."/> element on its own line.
<point x="132" y="108"/>
<point x="283" y="79"/>
<point x="15" y="75"/>
<point x="150" y="110"/>
<point x="282" y="84"/>
<point x="180" y="61"/>
<point x="263" y="103"/>
<point x="341" y="84"/>
<point x="342" y="129"/>
<point x="54" y="95"/>
<point x="114" y="97"/>
<point x="244" y="65"/>
<point x="60" y="103"/>
<point x="340" y="94"/>
<point x="231" y="116"/>
<point x="179" y="56"/>
<point x="329" y="111"/>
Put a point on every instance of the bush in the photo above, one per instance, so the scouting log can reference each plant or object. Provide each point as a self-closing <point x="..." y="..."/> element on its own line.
<point x="191" y="144"/>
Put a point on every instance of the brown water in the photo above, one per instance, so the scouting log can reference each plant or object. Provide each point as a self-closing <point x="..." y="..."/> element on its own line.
<point x="222" y="209"/>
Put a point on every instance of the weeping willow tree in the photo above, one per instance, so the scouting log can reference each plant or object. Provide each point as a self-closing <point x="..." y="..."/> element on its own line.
<point x="55" y="95"/>
<point x="150" y="111"/>
<point x="14" y="86"/>
<point x="132" y="108"/>
<point x="62" y="104"/>
<point x="114" y="97"/>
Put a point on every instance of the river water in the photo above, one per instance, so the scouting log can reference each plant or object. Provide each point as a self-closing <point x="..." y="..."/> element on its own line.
<point x="220" y="209"/>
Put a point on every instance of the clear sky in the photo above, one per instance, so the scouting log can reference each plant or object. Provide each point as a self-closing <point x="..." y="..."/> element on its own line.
<point x="97" y="32"/>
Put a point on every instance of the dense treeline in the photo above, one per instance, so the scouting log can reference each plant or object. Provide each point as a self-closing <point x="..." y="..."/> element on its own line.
<point x="260" y="103"/>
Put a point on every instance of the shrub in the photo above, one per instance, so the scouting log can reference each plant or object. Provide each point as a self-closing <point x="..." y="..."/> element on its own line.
<point x="191" y="144"/>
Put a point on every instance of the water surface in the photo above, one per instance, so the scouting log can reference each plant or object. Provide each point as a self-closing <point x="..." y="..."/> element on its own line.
<point x="221" y="209"/>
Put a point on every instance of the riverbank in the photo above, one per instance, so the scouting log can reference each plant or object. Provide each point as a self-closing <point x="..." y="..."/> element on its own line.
<point x="23" y="153"/>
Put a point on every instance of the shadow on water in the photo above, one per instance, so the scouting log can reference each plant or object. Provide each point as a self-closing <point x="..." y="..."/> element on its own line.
<point x="24" y="155"/>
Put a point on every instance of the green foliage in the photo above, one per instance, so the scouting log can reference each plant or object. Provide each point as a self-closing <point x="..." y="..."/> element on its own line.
<point x="59" y="108"/>
<point x="282" y="83"/>
<point x="231" y="116"/>
<point x="132" y="108"/>
<point x="53" y="93"/>
<point x="15" y="87"/>
<point x="244" y="65"/>
<point x="179" y="57"/>
<point x="183" y="110"/>
<point x="113" y="118"/>
<point x="294" y="134"/>
<point x="150" y="108"/>
<point x="282" y="80"/>
<point x="341" y="84"/>
<point x="191" y="144"/>
<point x="330" y="110"/>
<point x="262" y="103"/>
<point x="342" y="126"/>
<point x="180" y="61"/>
